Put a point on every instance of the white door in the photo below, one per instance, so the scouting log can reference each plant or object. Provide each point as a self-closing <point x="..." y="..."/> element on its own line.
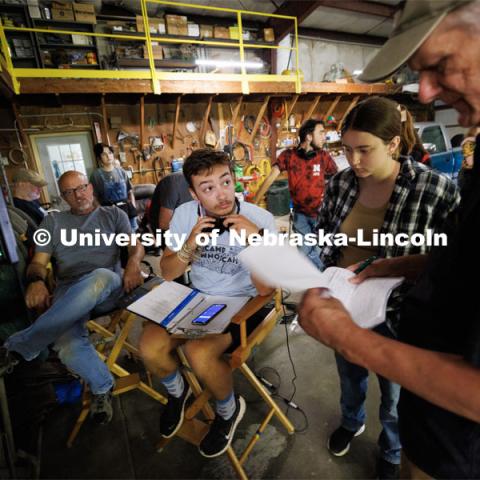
<point x="59" y="153"/>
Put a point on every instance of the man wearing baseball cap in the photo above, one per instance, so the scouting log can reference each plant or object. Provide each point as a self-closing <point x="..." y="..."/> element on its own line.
<point x="437" y="360"/>
<point x="27" y="185"/>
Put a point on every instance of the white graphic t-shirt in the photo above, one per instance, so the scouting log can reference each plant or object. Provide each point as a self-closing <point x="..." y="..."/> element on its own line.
<point x="218" y="271"/>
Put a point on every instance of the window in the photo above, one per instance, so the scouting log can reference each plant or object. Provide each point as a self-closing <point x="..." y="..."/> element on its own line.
<point x="432" y="139"/>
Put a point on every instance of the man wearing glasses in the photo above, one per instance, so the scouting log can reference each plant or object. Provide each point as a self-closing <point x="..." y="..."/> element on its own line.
<point x="88" y="278"/>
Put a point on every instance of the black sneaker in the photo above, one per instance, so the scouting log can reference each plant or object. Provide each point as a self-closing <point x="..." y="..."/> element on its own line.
<point x="221" y="432"/>
<point x="8" y="360"/>
<point x="387" y="470"/>
<point x="340" y="439"/>
<point x="172" y="416"/>
<point x="101" y="410"/>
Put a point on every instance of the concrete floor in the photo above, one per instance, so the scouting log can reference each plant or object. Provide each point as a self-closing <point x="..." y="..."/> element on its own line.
<point x="126" y="447"/>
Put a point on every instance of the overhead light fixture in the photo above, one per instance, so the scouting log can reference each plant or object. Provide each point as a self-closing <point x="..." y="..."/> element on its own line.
<point x="357" y="72"/>
<point x="228" y="63"/>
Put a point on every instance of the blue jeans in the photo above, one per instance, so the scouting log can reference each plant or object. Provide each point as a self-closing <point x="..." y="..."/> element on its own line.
<point x="63" y="325"/>
<point x="353" y="385"/>
<point x="304" y="224"/>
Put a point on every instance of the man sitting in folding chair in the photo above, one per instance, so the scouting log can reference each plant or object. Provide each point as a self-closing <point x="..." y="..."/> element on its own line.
<point x="88" y="278"/>
<point x="215" y="270"/>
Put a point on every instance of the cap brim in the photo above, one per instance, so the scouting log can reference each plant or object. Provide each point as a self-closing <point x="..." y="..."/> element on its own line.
<point x="398" y="50"/>
<point x="40" y="183"/>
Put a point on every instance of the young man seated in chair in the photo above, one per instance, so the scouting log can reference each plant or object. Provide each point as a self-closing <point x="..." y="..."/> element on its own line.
<point x="215" y="270"/>
<point x="87" y="278"/>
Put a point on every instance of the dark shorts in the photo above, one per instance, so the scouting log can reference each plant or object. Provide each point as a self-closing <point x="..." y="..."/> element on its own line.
<point x="252" y="323"/>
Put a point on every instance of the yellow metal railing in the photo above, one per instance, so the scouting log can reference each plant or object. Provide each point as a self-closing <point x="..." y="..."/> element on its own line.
<point x="153" y="74"/>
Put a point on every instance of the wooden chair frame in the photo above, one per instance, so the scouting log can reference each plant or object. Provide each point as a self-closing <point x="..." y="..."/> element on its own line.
<point x="126" y="381"/>
<point x="193" y="430"/>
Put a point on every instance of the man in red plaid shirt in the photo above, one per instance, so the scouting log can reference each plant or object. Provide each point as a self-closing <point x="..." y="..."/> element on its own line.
<point x="308" y="167"/>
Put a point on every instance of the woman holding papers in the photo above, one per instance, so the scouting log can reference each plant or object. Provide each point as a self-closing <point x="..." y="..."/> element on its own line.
<point x="381" y="193"/>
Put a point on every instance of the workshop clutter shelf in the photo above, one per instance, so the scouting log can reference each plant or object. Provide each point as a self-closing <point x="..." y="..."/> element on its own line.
<point x="71" y="34"/>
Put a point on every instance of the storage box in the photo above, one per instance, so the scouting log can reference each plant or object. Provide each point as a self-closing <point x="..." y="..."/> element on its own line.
<point x="84" y="12"/>
<point x="234" y="33"/>
<point x="157" y="52"/>
<point x="269" y="34"/>
<point x="157" y="25"/>
<point x="81" y="40"/>
<point x="221" y="32"/>
<point x="176" y="25"/>
<point x="62" y="11"/>
<point x="206" y="31"/>
<point x="193" y="29"/>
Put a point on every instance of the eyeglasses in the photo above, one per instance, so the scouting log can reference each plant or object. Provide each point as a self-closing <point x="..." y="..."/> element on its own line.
<point x="72" y="191"/>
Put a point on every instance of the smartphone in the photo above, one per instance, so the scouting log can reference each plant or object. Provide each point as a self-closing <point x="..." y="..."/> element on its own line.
<point x="209" y="314"/>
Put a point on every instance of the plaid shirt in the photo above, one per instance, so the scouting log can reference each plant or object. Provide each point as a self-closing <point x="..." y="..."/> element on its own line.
<point x="421" y="199"/>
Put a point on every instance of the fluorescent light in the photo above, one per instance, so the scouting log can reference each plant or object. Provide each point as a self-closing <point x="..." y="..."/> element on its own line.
<point x="357" y="72"/>
<point x="228" y="63"/>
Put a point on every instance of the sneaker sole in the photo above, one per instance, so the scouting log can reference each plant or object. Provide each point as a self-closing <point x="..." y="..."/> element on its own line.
<point x="347" y="448"/>
<point x="243" y="408"/>
<point x="180" y="423"/>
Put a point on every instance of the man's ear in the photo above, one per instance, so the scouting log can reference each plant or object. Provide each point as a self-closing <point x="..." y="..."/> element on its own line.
<point x="192" y="193"/>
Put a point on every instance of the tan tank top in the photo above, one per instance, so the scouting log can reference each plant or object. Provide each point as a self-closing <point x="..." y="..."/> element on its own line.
<point x="367" y="219"/>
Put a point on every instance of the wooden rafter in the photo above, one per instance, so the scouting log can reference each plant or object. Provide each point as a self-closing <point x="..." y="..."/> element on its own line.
<point x="206" y="116"/>
<point x="291" y="106"/>
<point x="300" y="9"/>
<point x="175" y="122"/>
<point x="105" y="120"/>
<point x="332" y="107"/>
<point x="260" y="114"/>
<point x="312" y="107"/>
<point x="352" y="104"/>
<point x="236" y="110"/>
<point x="142" y="121"/>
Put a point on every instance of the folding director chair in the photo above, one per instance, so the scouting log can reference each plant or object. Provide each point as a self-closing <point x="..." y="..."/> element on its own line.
<point x="193" y="429"/>
<point x="123" y="321"/>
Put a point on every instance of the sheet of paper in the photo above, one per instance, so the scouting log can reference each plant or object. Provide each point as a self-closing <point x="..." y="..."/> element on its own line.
<point x="158" y="303"/>
<point x="285" y="267"/>
<point x="282" y="266"/>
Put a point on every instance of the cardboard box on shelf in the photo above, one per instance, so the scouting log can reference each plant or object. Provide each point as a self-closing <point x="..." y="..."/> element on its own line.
<point x="221" y="32"/>
<point x="157" y="25"/>
<point x="81" y="40"/>
<point x="206" y="31"/>
<point x="176" y="25"/>
<point x="269" y="34"/>
<point x="157" y="51"/>
<point x="62" y="11"/>
<point x="193" y="29"/>
<point x="84" y="12"/>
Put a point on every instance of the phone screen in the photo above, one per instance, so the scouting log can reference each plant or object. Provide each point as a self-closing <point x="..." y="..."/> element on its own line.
<point x="209" y="314"/>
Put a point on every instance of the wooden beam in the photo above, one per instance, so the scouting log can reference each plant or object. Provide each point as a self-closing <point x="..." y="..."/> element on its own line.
<point x="81" y="87"/>
<point x="203" y="130"/>
<point x="332" y="107"/>
<point x="361" y="6"/>
<point x="341" y="36"/>
<point x="352" y="104"/>
<point x="105" y="121"/>
<point x="300" y="9"/>
<point x="236" y="110"/>
<point x="142" y="121"/>
<point x="260" y="114"/>
<point x="312" y="108"/>
<point x="30" y="162"/>
<point x="175" y="122"/>
<point x="290" y="107"/>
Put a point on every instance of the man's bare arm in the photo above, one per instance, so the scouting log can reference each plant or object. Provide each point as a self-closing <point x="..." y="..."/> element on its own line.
<point x="37" y="294"/>
<point x="132" y="276"/>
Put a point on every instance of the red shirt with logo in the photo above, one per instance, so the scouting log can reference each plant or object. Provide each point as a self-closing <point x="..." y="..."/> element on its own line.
<point x="306" y="178"/>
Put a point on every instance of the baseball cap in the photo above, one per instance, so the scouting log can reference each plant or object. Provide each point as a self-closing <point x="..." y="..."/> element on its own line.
<point x="415" y="23"/>
<point x="24" y="175"/>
